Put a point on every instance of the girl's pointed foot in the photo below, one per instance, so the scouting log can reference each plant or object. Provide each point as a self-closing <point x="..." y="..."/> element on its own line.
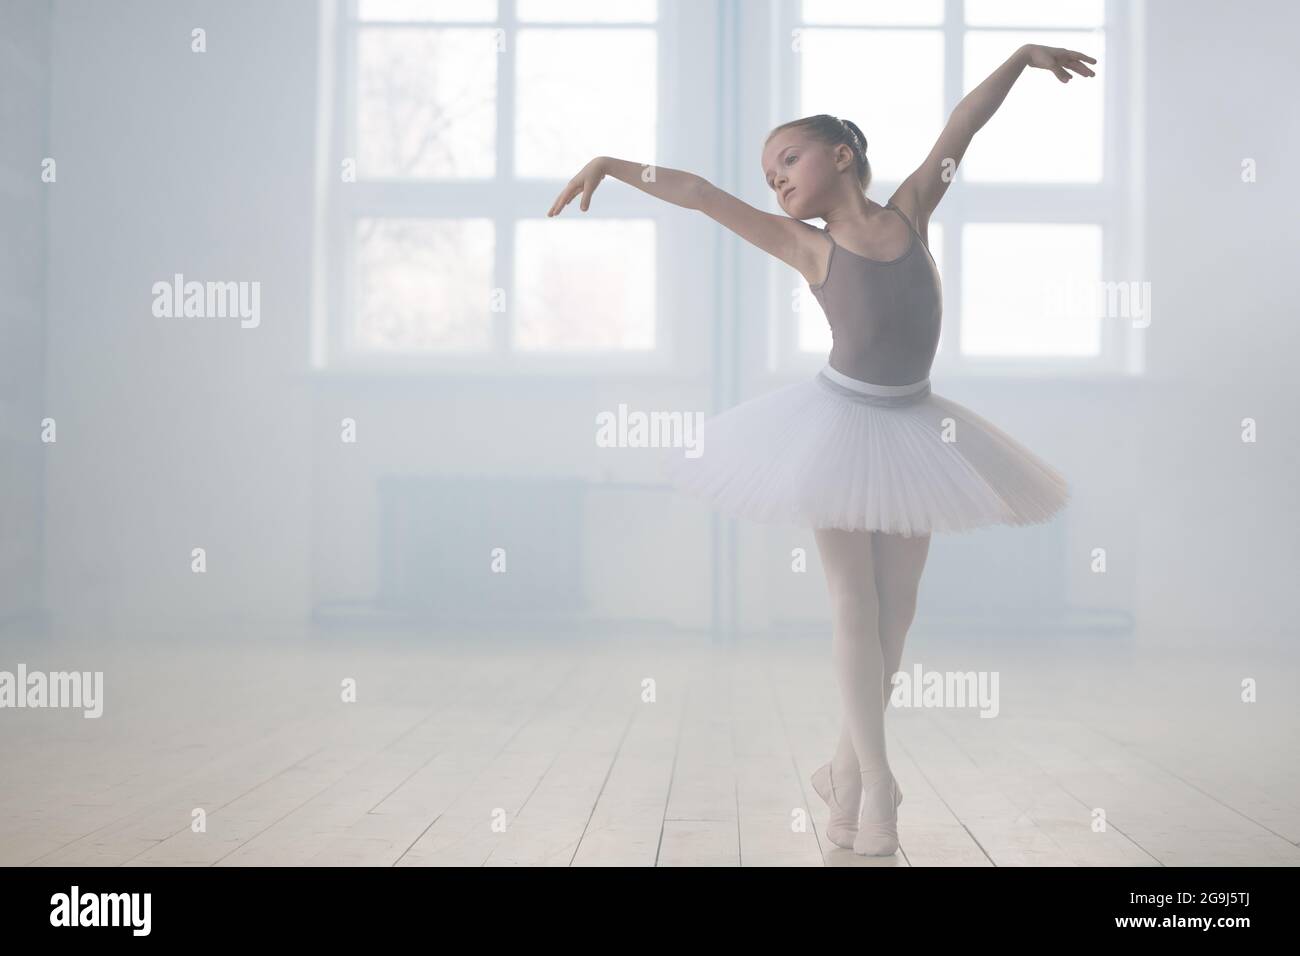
<point x="844" y="803"/>
<point x="878" y="819"/>
<point x="843" y="824"/>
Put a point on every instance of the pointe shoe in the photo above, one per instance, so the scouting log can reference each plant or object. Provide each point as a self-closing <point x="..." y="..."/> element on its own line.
<point x="877" y="836"/>
<point x="843" y="824"/>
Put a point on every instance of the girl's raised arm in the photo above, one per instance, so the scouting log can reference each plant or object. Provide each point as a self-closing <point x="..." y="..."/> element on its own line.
<point x="920" y="192"/>
<point x="780" y="236"/>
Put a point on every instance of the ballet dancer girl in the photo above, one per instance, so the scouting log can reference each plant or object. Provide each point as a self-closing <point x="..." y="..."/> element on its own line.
<point x="863" y="453"/>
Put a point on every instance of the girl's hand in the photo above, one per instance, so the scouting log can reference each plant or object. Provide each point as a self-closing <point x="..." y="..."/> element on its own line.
<point x="585" y="182"/>
<point x="1057" y="59"/>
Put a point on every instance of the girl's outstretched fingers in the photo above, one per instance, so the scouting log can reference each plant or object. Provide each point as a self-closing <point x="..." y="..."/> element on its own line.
<point x="1076" y="60"/>
<point x="571" y="189"/>
<point x="1057" y="59"/>
<point x="585" y="182"/>
<point x="566" y="195"/>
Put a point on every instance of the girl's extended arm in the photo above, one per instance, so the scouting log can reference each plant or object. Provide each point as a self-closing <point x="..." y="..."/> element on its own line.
<point x="671" y="185"/>
<point x="778" y="235"/>
<point x="921" y="191"/>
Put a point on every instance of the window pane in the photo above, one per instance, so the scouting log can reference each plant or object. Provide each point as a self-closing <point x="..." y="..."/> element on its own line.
<point x="1045" y="131"/>
<point x="589" y="11"/>
<point x="564" y="118"/>
<point x="426" y="102"/>
<point x="458" y="10"/>
<point x="814" y="330"/>
<point x="1031" y="289"/>
<point x="423" y="284"/>
<point x="584" y="285"/>
<point x="874" y="12"/>
<point x="896" y="96"/>
<point x="1036" y="13"/>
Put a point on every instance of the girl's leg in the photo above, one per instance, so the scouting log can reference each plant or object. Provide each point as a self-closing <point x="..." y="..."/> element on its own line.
<point x="855" y="643"/>
<point x="897" y="562"/>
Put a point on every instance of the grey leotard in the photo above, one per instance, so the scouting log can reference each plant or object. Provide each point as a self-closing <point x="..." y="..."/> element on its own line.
<point x="884" y="315"/>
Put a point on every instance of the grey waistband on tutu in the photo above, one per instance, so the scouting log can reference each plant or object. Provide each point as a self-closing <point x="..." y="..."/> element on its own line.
<point x="870" y="393"/>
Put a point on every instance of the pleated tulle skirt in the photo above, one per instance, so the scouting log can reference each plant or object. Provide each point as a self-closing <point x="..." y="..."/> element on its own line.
<point x="836" y="452"/>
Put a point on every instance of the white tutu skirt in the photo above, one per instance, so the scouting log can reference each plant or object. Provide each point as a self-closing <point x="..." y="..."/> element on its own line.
<point x="836" y="452"/>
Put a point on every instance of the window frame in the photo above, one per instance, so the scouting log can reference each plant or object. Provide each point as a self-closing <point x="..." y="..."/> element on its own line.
<point x="504" y="198"/>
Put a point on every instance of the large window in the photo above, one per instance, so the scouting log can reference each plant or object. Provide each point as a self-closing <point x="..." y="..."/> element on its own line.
<point x="1028" y="237"/>
<point x="456" y="122"/>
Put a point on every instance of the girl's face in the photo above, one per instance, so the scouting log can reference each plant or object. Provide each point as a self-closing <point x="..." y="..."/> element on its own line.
<point x="801" y="172"/>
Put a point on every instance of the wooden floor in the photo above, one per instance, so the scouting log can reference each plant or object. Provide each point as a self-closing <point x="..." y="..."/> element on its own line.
<point x="529" y="752"/>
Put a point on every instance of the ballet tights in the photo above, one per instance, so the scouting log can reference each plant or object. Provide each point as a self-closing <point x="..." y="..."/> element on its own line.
<point x="872" y="580"/>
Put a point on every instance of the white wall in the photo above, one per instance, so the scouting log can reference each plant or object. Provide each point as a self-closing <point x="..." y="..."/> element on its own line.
<point x="1217" y="554"/>
<point x="178" y="433"/>
<point x="24" y="144"/>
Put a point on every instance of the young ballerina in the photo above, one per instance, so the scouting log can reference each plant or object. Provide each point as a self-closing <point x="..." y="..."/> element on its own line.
<point x="863" y="453"/>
